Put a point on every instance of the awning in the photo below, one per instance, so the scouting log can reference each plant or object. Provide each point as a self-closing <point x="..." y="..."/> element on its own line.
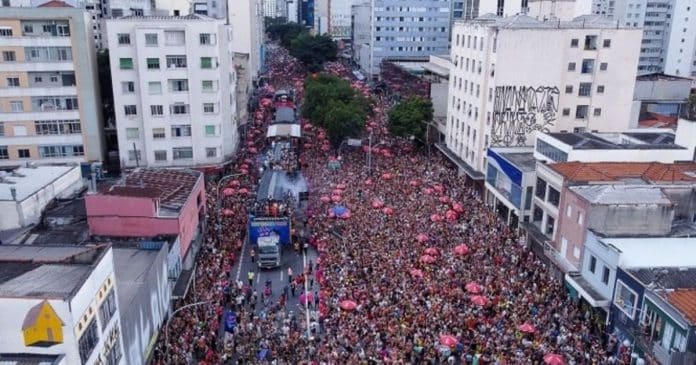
<point x="284" y="130"/>
<point x="586" y="291"/>
<point x="182" y="284"/>
<point x="475" y="175"/>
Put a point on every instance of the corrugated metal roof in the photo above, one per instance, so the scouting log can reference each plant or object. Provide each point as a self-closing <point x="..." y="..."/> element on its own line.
<point x="622" y="194"/>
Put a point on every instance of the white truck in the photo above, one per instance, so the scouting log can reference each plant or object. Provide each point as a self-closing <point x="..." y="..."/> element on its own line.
<point x="270" y="251"/>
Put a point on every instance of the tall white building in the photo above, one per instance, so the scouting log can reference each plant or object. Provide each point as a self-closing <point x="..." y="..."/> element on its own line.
<point x="247" y="21"/>
<point x="669" y="32"/>
<point x="174" y="90"/>
<point x="541" y="9"/>
<point x="514" y="76"/>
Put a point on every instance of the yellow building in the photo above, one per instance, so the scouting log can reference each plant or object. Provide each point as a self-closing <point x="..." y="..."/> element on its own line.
<point x="42" y="327"/>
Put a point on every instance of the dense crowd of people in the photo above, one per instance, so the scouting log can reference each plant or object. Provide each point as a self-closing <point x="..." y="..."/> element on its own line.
<point x="420" y="271"/>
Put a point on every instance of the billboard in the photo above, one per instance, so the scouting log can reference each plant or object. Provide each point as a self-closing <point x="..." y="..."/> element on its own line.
<point x="264" y="226"/>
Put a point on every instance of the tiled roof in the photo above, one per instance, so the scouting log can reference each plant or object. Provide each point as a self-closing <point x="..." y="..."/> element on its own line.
<point x="685" y="301"/>
<point x="55" y="4"/>
<point x="650" y="172"/>
<point x="171" y="187"/>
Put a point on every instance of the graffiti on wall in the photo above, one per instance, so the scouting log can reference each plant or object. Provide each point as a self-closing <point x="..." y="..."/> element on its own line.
<point x="521" y="110"/>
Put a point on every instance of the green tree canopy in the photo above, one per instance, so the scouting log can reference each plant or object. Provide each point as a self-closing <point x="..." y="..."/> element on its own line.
<point x="284" y="33"/>
<point x="313" y="51"/>
<point x="410" y="117"/>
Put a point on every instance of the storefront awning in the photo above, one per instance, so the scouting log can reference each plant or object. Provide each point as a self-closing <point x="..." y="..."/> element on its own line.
<point x="284" y="130"/>
<point x="586" y="291"/>
<point x="473" y="174"/>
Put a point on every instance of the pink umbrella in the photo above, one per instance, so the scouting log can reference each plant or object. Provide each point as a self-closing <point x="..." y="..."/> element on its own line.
<point x="415" y="183"/>
<point x="377" y="204"/>
<point x="253" y="150"/>
<point x="461" y="249"/>
<point x="428" y="191"/>
<point x="332" y="214"/>
<point x="427" y="259"/>
<point x="348" y="305"/>
<point x="473" y="287"/>
<point x="422" y="237"/>
<point x="325" y="199"/>
<point x="554" y="359"/>
<point x="479" y="300"/>
<point x="337" y="192"/>
<point x="443" y="199"/>
<point x="439" y="188"/>
<point x="228" y="192"/>
<point x="387" y="176"/>
<point x="325" y="148"/>
<point x="457" y="207"/>
<point x="244" y="172"/>
<point x="250" y="143"/>
<point x="345" y="215"/>
<point x="235" y="183"/>
<point x="368" y="182"/>
<point x="306" y="298"/>
<point x="308" y="145"/>
<point x="416" y="273"/>
<point x="336" y="198"/>
<point x="243" y="191"/>
<point x="227" y="212"/>
<point x="436" y="218"/>
<point x="451" y="215"/>
<point x="448" y="340"/>
<point x="432" y="251"/>
<point x="526" y="328"/>
<point x="341" y="186"/>
<point x="388" y="211"/>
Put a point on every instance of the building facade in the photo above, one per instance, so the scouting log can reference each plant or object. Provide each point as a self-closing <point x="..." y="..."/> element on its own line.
<point x="174" y="86"/>
<point x="541" y="9"/>
<point x="398" y="30"/>
<point x="586" y="85"/>
<point x="50" y="109"/>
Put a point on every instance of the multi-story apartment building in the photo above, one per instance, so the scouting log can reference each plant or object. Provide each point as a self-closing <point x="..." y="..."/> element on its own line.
<point x="558" y="9"/>
<point x="50" y="108"/>
<point x="669" y="32"/>
<point x="173" y="82"/>
<point x="502" y="91"/>
<point x="399" y="30"/>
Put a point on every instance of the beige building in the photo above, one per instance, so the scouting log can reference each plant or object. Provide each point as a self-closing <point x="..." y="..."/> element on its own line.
<point x="49" y="96"/>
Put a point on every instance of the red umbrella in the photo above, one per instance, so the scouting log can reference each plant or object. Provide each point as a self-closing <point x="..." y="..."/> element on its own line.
<point x="325" y="148"/>
<point x="253" y="150"/>
<point x="377" y="204"/>
<point x="244" y="172"/>
<point x="227" y="191"/>
<point x="325" y="199"/>
<point x="308" y="145"/>
<point x="227" y="212"/>
<point x="388" y="211"/>
<point x="451" y="215"/>
<point x="443" y="199"/>
<point x="415" y="183"/>
<point x="348" y="305"/>
<point x="432" y="251"/>
<point x="306" y="298"/>
<point x="416" y="273"/>
<point x="336" y="198"/>
<point x="436" y="218"/>
<point x="554" y="359"/>
<point x="345" y="215"/>
<point x="461" y="249"/>
<point x="448" y="340"/>
<point x="422" y="237"/>
<point x="387" y="176"/>
<point x="526" y="328"/>
<point x="427" y="259"/>
<point x="479" y="300"/>
<point x="234" y="183"/>
<point x="473" y="287"/>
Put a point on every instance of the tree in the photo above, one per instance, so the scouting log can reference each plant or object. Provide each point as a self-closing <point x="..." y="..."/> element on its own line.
<point x="341" y="121"/>
<point x="284" y="33"/>
<point x="410" y="118"/>
<point x="313" y="51"/>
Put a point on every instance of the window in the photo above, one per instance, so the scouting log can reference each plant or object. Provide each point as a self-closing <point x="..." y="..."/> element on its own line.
<point x="606" y="43"/>
<point x="574" y="43"/>
<point x="580" y="218"/>
<point x="174" y="38"/>
<point x="209" y="85"/>
<point x="625" y="299"/>
<point x="178" y="85"/>
<point x="156" y="110"/>
<point x="4" y="155"/>
<point x="566" y="112"/>
<point x="587" y="66"/>
<point x="151" y="39"/>
<point x="597" y="112"/>
<point x="24" y="153"/>
<point x="123" y="39"/>
<point x="569" y="89"/>
<point x="585" y="89"/>
<point x="603" y="66"/>
<point x="571" y="66"/>
<point x="132" y="133"/>
<point x="176" y="61"/>
<point x="127" y="87"/>
<point x="208" y="108"/>
<point x="154" y="87"/>
<point x="593" y="264"/>
<point x="209" y="130"/>
<point x="27" y="28"/>
<point x="130" y="109"/>
<point x="600" y="89"/>
<point x="107" y="308"/>
<point x="569" y="210"/>
<point x="590" y="42"/>
<point x="181" y="131"/>
<point x="161" y="155"/>
<point x="134" y="155"/>
<point x="13" y="82"/>
<point x="179" y="108"/>
<point x="540" y="188"/>
<point x="554" y="196"/>
<point x="153" y="64"/>
<point x="9" y="56"/>
<point x="88" y="341"/>
<point x="180" y="153"/>
<point x="158" y="133"/>
<point x="207" y="39"/>
<point x="61" y="151"/>
<point x="52" y="127"/>
<point x="210" y="152"/>
<point x="5" y="32"/>
<point x="125" y="63"/>
<point x="16" y="106"/>
<point x="550" y="223"/>
<point x="605" y="275"/>
<point x="581" y="111"/>
<point x="206" y="62"/>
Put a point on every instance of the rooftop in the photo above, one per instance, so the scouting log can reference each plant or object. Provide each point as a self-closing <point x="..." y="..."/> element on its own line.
<point x="618" y="172"/>
<point x="45" y="272"/>
<point x="655" y="251"/>
<point x="522" y="21"/>
<point x="55" y="4"/>
<point x="171" y="187"/>
<point x="617" y="141"/>
<point x="523" y="160"/>
<point x="685" y="301"/>
<point x="661" y="76"/>
<point x="622" y="194"/>
<point x="30" y="359"/>
<point x="28" y="180"/>
<point x="168" y="17"/>
<point x="132" y="266"/>
<point x="666" y="277"/>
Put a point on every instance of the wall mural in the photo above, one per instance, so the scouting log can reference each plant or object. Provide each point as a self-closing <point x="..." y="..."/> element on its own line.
<point x="520" y="110"/>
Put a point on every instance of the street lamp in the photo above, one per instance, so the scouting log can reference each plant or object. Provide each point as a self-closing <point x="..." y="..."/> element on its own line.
<point x="166" y="326"/>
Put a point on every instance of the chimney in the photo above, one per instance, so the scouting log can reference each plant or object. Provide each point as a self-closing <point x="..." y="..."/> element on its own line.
<point x="13" y="192"/>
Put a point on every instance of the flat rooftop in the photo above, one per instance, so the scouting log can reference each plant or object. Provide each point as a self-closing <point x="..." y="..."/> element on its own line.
<point x="666" y="277"/>
<point x="618" y="141"/>
<point x="655" y="251"/>
<point x="45" y="272"/>
<point x="622" y="194"/>
<point x="132" y="266"/>
<point x="171" y="187"/>
<point x="661" y="76"/>
<point x="524" y="160"/>
<point x="631" y="172"/>
<point x="29" y="359"/>
<point x="527" y="22"/>
<point x="28" y="180"/>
